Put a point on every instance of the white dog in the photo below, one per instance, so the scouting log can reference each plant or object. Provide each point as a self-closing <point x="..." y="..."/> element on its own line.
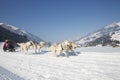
<point x="25" y="46"/>
<point x="39" y="46"/>
<point x="56" y="49"/>
<point x="63" y="47"/>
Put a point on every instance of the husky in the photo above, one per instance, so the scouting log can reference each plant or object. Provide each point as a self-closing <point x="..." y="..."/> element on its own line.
<point x="39" y="46"/>
<point x="25" y="46"/>
<point x="63" y="47"/>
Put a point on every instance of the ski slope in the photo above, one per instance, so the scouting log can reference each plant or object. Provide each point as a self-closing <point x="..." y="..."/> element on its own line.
<point x="92" y="63"/>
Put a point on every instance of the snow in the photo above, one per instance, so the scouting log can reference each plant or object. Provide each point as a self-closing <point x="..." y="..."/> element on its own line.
<point x="91" y="37"/>
<point x="90" y="63"/>
<point x="107" y="30"/>
<point x="9" y="27"/>
<point x="111" y="25"/>
<point x="116" y="36"/>
<point x="118" y="23"/>
<point x="20" y="32"/>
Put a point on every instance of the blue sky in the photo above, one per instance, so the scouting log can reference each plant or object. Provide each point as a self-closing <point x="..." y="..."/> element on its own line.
<point x="56" y="20"/>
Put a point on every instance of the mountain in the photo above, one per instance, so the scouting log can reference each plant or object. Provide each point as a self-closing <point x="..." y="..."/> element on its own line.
<point x="108" y="35"/>
<point x="16" y="34"/>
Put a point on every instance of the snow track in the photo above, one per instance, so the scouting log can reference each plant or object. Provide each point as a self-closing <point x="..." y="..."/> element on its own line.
<point x="7" y="75"/>
<point x="88" y="65"/>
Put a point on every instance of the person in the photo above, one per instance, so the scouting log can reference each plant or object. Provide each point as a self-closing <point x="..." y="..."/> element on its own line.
<point x="5" y="44"/>
<point x="8" y="46"/>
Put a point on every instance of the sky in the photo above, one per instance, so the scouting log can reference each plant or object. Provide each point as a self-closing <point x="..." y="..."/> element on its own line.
<point x="57" y="20"/>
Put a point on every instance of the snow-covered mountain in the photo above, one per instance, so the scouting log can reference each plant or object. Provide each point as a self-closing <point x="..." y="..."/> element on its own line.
<point x="108" y="34"/>
<point x="9" y="31"/>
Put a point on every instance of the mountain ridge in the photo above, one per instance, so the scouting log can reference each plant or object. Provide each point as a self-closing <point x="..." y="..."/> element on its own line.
<point x="104" y="36"/>
<point x="10" y="32"/>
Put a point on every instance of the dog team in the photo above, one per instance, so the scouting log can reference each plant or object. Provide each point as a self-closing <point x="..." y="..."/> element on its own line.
<point x="57" y="49"/>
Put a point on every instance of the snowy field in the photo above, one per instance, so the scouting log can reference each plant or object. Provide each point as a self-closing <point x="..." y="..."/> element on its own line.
<point x="92" y="63"/>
